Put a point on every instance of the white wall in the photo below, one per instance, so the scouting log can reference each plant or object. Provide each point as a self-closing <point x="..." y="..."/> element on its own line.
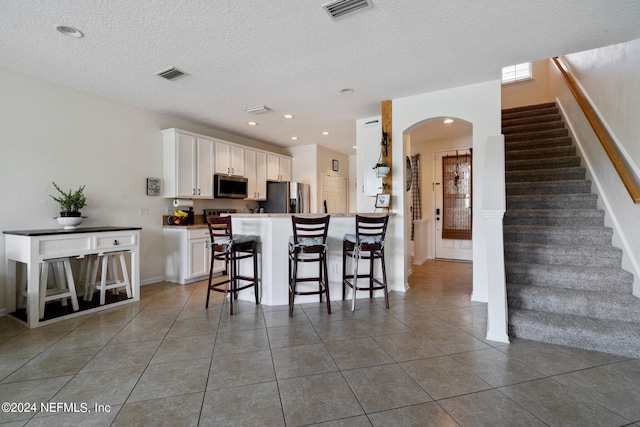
<point x="529" y="92"/>
<point x="50" y="133"/>
<point x="478" y="104"/>
<point x="305" y="170"/>
<point x="610" y="76"/>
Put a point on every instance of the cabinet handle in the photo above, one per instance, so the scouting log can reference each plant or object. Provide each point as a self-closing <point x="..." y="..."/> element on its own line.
<point x="193" y="193"/>
<point x="198" y="191"/>
<point x="233" y="170"/>
<point x="116" y="243"/>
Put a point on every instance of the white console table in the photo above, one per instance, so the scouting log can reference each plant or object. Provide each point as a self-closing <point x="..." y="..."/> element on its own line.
<point x="31" y="247"/>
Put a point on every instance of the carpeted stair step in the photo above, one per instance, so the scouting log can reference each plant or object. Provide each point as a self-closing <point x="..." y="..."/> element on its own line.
<point x="580" y="255"/>
<point x="529" y="120"/>
<point x="540" y="153"/>
<point x="550" y="217"/>
<point x="537" y="175"/>
<point x="621" y="338"/>
<point x="552" y="163"/>
<point x="568" y="235"/>
<point x="553" y="201"/>
<point x="571" y="277"/>
<point x="530" y="110"/>
<point x="538" y="143"/>
<point x="533" y="127"/>
<point x="543" y="134"/>
<point x="600" y="305"/>
<point x="548" y="187"/>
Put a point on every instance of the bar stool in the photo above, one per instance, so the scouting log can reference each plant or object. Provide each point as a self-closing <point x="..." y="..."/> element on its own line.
<point x="109" y="277"/>
<point x="367" y="243"/>
<point x="308" y="244"/>
<point x="66" y="286"/>
<point x="231" y="248"/>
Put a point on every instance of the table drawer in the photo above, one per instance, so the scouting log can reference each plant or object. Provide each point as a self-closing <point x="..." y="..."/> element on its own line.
<point x="115" y="240"/>
<point x="68" y="245"/>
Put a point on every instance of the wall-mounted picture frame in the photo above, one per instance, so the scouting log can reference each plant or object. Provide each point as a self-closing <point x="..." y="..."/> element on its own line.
<point x="153" y="186"/>
<point x="334" y="165"/>
<point x="383" y="200"/>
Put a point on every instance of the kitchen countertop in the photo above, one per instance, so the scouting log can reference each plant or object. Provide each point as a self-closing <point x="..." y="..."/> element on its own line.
<point x="286" y="215"/>
<point x="271" y="215"/>
<point x="55" y="231"/>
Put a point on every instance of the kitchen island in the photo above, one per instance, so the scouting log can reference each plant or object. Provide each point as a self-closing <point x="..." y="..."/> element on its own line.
<point x="273" y="231"/>
<point x="31" y="247"/>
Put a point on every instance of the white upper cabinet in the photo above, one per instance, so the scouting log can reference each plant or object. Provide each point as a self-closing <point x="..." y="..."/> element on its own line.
<point x="229" y="159"/>
<point x="191" y="160"/>
<point x="256" y="174"/>
<point x="278" y="168"/>
<point x="188" y="165"/>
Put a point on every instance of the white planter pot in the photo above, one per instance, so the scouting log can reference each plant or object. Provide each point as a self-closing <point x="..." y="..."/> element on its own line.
<point x="382" y="171"/>
<point x="70" y="222"/>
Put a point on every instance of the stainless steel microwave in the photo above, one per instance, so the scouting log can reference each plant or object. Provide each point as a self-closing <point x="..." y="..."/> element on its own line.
<point x="229" y="187"/>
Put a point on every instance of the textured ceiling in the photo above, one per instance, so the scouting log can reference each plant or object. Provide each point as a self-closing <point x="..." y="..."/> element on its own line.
<point x="290" y="56"/>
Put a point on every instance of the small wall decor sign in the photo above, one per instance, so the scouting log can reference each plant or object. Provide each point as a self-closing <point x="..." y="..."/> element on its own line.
<point x="153" y="186"/>
<point x="383" y="200"/>
<point x="334" y="166"/>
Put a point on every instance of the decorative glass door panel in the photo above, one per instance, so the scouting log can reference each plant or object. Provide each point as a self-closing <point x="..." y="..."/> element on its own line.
<point x="456" y="209"/>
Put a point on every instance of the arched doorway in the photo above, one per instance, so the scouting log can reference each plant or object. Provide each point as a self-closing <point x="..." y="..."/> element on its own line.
<point x="442" y="228"/>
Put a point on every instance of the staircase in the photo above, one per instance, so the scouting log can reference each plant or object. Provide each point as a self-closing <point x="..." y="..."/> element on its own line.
<point x="565" y="284"/>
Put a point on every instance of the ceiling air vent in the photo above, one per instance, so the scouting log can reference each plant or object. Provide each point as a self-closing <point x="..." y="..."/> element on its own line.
<point x="257" y="109"/>
<point x="339" y="8"/>
<point x="170" y="73"/>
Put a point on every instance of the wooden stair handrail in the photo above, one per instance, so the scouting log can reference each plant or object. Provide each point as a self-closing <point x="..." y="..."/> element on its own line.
<point x="601" y="132"/>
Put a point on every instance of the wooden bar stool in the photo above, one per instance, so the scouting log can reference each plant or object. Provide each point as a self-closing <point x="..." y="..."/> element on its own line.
<point x="231" y="248"/>
<point x="109" y="277"/>
<point x="308" y="244"/>
<point x="367" y="243"/>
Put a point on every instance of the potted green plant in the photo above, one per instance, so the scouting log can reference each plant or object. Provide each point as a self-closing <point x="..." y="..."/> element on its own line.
<point x="382" y="169"/>
<point x="70" y="204"/>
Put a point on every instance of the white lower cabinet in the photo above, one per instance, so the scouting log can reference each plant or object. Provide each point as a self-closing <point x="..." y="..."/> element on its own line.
<point x="188" y="255"/>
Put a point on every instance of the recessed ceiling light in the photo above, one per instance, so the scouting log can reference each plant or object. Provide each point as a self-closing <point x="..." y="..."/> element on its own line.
<point x="447" y="121"/>
<point x="325" y="133"/>
<point x="346" y="91"/>
<point x="252" y="124"/>
<point x="288" y="116"/>
<point x="69" y="31"/>
<point x="294" y="137"/>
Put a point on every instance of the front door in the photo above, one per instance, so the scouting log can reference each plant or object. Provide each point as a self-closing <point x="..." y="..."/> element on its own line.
<point x="453" y="213"/>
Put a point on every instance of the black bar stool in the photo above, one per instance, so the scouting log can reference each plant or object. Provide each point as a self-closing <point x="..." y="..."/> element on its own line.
<point x="367" y="243"/>
<point x="308" y="244"/>
<point x="231" y="248"/>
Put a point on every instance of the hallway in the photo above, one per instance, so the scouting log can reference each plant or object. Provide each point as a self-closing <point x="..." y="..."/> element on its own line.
<point x="168" y="361"/>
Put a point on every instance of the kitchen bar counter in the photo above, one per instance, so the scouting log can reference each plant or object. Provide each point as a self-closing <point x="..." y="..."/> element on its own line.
<point x="31" y="247"/>
<point x="273" y="231"/>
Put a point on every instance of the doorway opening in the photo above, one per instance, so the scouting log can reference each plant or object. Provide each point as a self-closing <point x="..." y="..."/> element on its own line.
<point x="445" y="203"/>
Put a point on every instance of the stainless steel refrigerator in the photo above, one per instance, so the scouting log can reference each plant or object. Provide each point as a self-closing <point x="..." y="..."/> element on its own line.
<point x="287" y="197"/>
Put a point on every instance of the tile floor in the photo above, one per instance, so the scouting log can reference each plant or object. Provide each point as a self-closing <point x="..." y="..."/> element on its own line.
<point x="168" y="361"/>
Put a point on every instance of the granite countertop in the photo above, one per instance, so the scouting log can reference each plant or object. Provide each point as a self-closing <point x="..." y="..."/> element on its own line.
<point x="54" y="231"/>
<point x="311" y="215"/>
<point x="186" y="227"/>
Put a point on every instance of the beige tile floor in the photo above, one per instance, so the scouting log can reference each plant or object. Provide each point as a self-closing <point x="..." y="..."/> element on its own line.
<point x="168" y="361"/>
